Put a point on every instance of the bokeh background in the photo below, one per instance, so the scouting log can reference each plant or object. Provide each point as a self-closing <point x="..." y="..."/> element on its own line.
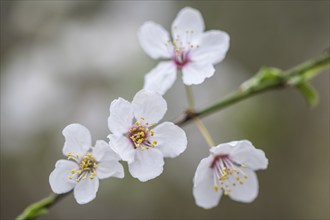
<point x="65" y="61"/>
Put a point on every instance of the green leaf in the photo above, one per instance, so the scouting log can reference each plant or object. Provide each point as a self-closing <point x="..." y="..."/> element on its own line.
<point x="309" y="93"/>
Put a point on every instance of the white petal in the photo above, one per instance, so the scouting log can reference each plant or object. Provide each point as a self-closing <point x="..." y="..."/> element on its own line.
<point x="149" y="105"/>
<point x="153" y="38"/>
<point x="243" y="152"/>
<point x="224" y="149"/>
<point x="246" y="192"/>
<point x="123" y="147"/>
<point x="59" y="179"/>
<point x="85" y="190"/>
<point x="213" y="46"/>
<point x="121" y="116"/>
<point x="195" y="73"/>
<point x="161" y="78"/>
<point x="171" y="139"/>
<point x="188" y="19"/>
<point x="148" y="164"/>
<point x="109" y="168"/>
<point x="77" y="139"/>
<point x="102" y="151"/>
<point x="203" y="190"/>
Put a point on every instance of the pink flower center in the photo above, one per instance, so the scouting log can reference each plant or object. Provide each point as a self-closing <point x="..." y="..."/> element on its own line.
<point x="181" y="59"/>
<point x="227" y="173"/>
<point x="140" y="135"/>
<point x="180" y="48"/>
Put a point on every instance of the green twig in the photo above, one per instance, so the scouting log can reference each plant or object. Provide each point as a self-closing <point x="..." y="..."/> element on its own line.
<point x="41" y="207"/>
<point x="267" y="79"/>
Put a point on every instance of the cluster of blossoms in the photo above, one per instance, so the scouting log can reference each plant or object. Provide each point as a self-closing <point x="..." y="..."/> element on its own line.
<point x="137" y="139"/>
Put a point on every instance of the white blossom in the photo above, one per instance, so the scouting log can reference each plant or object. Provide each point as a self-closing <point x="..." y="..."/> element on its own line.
<point x="190" y="50"/>
<point x="228" y="170"/>
<point x="137" y="139"/>
<point x="85" y="165"/>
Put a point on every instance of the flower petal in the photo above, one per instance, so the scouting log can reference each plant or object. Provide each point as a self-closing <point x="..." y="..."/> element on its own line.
<point x="59" y="179"/>
<point x="161" y="78"/>
<point x="213" y="46"/>
<point x="149" y="105"/>
<point x="153" y="38"/>
<point x="147" y="165"/>
<point x="224" y="149"/>
<point x="102" y="152"/>
<point x="188" y="19"/>
<point x="243" y="152"/>
<point x="121" y="116"/>
<point x="123" y="147"/>
<point x="171" y="139"/>
<point x="248" y="191"/>
<point x="203" y="190"/>
<point x="85" y="190"/>
<point x="195" y="73"/>
<point x="77" y="139"/>
<point x="109" y="168"/>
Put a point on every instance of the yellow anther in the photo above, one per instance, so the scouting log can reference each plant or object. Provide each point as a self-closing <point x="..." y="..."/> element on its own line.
<point x="222" y="177"/>
<point x="237" y="178"/>
<point x="154" y="142"/>
<point x="134" y="129"/>
<point x="78" y="172"/>
<point x="73" y="171"/>
<point x="84" y="178"/>
<point x="245" y="176"/>
<point x="142" y="148"/>
<point x="241" y="182"/>
<point x="243" y="166"/>
<point x="77" y="156"/>
<point x="142" y="118"/>
<point x="225" y="193"/>
<point x="234" y="184"/>
<point x="147" y="123"/>
<point x="147" y="130"/>
<point x="70" y="177"/>
<point x="216" y="187"/>
<point x="77" y="180"/>
<point x="137" y="123"/>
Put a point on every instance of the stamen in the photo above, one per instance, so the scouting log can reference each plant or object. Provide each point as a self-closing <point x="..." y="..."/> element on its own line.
<point x="227" y="173"/>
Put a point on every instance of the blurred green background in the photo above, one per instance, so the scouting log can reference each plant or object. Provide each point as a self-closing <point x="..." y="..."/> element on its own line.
<point x="65" y="61"/>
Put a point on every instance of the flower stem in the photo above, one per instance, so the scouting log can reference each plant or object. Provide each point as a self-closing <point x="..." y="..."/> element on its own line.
<point x="198" y="122"/>
<point x="190" y="98"/>
<point x="41" y="207"/>
<point x="200" y="125"/>
<point x="266" y="79"/>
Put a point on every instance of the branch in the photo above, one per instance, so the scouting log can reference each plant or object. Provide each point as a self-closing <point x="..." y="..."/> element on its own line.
<point x="266" y="79"/>
<point x="41" y="207"/>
